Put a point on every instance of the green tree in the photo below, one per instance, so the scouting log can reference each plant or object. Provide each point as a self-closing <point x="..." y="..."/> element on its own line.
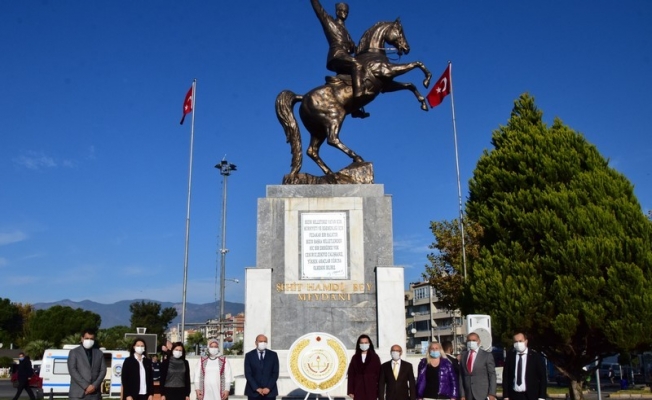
<point x="11" y="322"/>
<point x="113" y="338"/>
<point x="446" y="270"/>
<point x="57" y="322"/>
<point x="195" y="340"/>
<point x="71" y="339"/>
<point x="566" y="249"/>
<point x="237" y="348"/>
<point x="6" y="362"/>
<point x="36" y="348"/>
<point x="27" y="312"/>
<point x="149" y="315"/>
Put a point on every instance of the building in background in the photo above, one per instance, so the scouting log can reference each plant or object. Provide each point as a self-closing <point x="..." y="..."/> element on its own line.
<point x="427" y="320"/>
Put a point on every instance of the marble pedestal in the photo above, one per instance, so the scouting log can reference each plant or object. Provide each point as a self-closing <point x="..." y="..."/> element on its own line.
<point x="324" y="263"/>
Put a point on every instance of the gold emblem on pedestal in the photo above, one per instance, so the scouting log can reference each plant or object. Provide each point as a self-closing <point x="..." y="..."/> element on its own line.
<point x="317" y="362"/>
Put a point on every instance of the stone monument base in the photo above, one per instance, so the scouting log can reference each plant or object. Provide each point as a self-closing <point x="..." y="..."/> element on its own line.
<point x="304" y="230"/>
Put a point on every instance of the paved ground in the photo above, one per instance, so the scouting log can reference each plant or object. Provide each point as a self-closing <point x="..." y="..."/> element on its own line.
<point x="7" y="392"/>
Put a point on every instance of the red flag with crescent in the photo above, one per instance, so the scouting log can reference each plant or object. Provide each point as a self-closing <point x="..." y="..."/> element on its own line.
<point x="441" y="89"/>
<point x="187" y="105"/>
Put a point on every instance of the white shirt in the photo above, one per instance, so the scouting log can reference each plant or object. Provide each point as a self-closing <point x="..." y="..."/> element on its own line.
<point x="143" y="379"/>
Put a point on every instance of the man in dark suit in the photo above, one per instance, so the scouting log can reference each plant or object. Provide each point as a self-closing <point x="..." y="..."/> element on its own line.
<point x="87" y="368"/>
<point x="24" y="371"/>
<point x="477" y="371"/>
<point x="524" y="374"/>
<point x="261" y="371"/>
<point x="396" y="381"/>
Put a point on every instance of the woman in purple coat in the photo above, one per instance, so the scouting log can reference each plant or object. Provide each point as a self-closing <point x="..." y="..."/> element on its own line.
<point x="436" y="377"/>
<point x="364" y="370"/>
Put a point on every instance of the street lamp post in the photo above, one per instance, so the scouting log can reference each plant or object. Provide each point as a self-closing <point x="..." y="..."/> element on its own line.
<point x="225" y="170"/>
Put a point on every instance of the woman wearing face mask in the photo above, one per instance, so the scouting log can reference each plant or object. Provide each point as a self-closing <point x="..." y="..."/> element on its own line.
<point x="175" y="374"/>
<point x="137" y="382"/>
<point x="213" y="374"/>
<point x="436" y="377"/>
<point x="364" y="371"/>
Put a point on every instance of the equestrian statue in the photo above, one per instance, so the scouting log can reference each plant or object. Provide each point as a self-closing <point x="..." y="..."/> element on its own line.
<point x="363" y="72"/>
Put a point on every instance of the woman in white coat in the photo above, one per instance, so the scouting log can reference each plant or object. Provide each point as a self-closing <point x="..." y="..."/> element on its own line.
<point x="213" y="375"/>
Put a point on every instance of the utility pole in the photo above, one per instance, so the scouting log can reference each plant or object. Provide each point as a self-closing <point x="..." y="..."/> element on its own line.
<point x="225" y="170"/>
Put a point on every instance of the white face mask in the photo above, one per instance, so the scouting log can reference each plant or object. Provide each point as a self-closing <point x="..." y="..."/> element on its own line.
<point x="213" y="351"/>
<point x="139" y="350"/>
<point x="364" y="346"/>
<point x="88" y="343"/>
<point x="396" y="355"/>
<point x="519" y="346"/>
<point x="262" y="346"/>
<point x="472" y="345"/>
<point x="177" y="353"/>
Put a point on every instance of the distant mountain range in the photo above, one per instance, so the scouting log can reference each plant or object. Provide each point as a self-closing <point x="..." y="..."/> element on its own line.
<point x="118" y="313"/>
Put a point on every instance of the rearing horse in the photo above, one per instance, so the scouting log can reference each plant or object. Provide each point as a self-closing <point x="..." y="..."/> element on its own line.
<point x="324" y="108"/>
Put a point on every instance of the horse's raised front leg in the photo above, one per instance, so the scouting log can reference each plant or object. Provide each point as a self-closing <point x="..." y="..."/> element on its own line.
<point x="396" y="86"/>
<point x="390" y="70"/>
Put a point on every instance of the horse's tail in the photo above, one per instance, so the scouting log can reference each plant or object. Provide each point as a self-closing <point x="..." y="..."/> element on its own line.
<point x="285" y="102"/>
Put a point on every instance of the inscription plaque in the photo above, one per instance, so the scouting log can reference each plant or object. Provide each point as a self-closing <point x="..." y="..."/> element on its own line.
<point x="324" y="245"/>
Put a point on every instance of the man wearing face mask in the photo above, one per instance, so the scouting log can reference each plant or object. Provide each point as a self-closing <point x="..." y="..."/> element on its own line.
<point x="261" y="371"/>
<point x="524" y="375"/>
<point x="477" y="372"/>
<point x="24" y="371"/>
<point x="396" y="381"/>
<point x="87" y="368"/>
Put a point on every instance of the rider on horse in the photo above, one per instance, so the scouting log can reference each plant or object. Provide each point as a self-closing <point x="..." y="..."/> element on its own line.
<point x="341" y="46"/>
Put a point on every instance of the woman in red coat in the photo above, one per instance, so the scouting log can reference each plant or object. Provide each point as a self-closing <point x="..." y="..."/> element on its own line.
<point x="363" y="371"/>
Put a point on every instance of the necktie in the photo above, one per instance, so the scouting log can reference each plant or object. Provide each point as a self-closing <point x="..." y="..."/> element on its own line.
<point x="519" y="370"/>
<point x="261" y="356"/>
<point x="395" y="369"/>
<point x="469" y="361"/>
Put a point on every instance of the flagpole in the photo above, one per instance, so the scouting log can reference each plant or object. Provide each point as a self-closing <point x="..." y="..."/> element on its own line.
<point x="457" y="166"/>
<point x="185" y="261"/>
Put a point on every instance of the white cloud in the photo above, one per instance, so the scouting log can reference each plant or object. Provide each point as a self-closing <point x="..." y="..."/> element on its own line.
<point x="12" y="237"/>
<point x="412" y="245"/>
<point x="35" y="160"/>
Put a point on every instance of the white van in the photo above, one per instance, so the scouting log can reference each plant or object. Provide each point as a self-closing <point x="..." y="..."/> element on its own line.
<point x="56" y="378"/>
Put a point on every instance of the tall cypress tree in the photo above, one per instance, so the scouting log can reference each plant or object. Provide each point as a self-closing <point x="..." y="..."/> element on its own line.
<point x="566" y="251"/>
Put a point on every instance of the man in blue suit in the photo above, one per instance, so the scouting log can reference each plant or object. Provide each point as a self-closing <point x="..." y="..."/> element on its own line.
<point x="261" y="371"/>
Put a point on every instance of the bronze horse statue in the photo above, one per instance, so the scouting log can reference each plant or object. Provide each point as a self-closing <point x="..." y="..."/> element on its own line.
<point x="324" y="108"/>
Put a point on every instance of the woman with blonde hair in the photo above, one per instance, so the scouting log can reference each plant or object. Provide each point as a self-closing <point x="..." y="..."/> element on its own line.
<point x="436" y="377"/>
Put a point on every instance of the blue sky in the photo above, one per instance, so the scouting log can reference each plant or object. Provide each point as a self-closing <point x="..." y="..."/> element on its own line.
<point x="94" y="163"/>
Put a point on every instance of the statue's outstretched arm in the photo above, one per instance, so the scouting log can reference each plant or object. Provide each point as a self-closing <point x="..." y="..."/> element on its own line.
<point x="320" y="12"/>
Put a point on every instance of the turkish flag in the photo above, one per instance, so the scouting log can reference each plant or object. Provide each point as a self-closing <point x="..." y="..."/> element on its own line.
<point x="187" y="105"/>
<point x="441" y="89"/>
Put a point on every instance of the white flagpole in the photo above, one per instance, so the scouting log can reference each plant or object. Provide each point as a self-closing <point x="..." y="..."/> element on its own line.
<point x="457" y="166"/>
<point x="185" y="262"/>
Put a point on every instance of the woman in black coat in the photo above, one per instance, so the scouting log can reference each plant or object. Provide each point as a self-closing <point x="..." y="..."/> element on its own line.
<point x="137" y="382"/>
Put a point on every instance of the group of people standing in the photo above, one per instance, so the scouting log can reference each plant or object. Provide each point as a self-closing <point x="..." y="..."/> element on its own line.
<point x="442" y="376"/>
<point x="87" y="370"/>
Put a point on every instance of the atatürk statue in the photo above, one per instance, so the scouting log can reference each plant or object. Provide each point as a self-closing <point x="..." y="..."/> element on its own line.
<point x="360" y="79"/>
